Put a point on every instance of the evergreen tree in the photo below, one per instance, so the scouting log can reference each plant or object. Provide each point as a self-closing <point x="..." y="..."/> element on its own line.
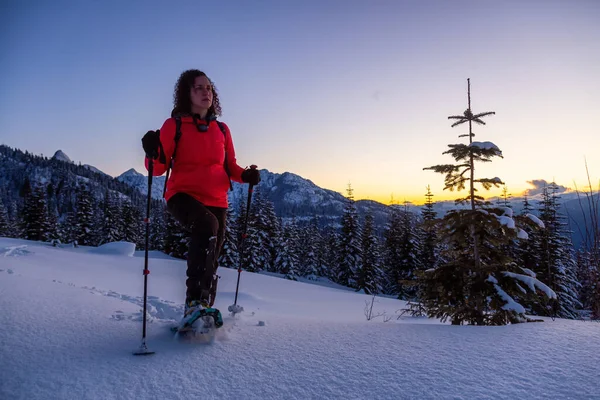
<point x="229" y="257"/>
<point x="429" y="250"/>
<point x="392" y="256"/>
<point x="84" y="232"/>
<point x="476" y="282"/>
<point x="370" y="273"/>
<point x="266" y="229"/>
<point x="255" y="249"/>
<point x="112" y="226"/>
<point x="176" y="238"/>
<point x="34" y="220"/>
<point x="13" y="218"/>
<point x="558" y="266"/>
<point x="309" y="254"/>
<point x="287" y="259"/>
<point x="528" y="255"/>
<point x="5" y="226"/>
<point x="350" y="251"/>
<point x="132" y="224"/>
<point x="330" y="249"/>
<point x="158" y="225"/>
<point x="409" y="252"/>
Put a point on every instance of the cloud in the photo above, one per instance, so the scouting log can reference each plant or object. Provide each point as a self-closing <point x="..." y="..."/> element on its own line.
<point x="539" y="185"/>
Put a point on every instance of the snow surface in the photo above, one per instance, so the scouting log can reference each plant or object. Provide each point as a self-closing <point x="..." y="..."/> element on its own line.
<point x="118" y="248"/>
<point x="70" y="319"/>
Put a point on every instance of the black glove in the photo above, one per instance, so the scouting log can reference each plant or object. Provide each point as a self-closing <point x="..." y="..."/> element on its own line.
<point x="151" y="144"/>
<point x="251" y="176"/>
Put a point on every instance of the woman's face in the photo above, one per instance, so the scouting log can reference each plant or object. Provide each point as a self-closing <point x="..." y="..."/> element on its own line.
<point x="201" y="93"/>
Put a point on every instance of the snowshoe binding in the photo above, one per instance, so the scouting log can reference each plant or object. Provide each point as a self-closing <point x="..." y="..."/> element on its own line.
<point x="199" y="318"/>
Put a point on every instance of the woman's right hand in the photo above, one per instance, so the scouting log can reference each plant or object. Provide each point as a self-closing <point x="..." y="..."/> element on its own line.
<point x="151" y="144"/>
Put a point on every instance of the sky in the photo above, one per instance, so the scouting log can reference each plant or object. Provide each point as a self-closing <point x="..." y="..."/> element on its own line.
<point x="338" y="92"/>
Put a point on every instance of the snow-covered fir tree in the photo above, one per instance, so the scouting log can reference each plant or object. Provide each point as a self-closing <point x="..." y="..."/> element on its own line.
<point x="34" y="217"/>
<point x="13" y="218"/>
<point x="309" y="253"/>
<point x="477" y="282"/>
<point x="255" y="249"/>
<point x="176" y="238"/>
<point x="267" y="228"/>
<point x="527" y="254"/>
<point x="350" y="249"/>
<point x="5" y="223"/>
<point x="112" y="226"/>
<point x="230" y="257"/>
<point x="370" y="273"/>
<point x="558" y="266"/>
<point x="392" y="257"/>
<point x="410" y="250"/>
<point x="158" y="225"/>
<point x="330" y="249"/>
<point x="83" y="230"/>
<point x="287" y="262"/>
<point x="132" y="224"/>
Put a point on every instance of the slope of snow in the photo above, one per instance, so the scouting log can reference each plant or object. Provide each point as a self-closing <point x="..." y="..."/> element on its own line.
<point x="70" y="319"/>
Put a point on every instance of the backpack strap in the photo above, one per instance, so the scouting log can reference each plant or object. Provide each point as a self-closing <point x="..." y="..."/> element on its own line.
<point x="177" y="137"/>
<point x="222" y="127"/>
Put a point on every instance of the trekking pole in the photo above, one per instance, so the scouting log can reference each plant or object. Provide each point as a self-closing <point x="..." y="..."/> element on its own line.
<point x="143" y="350"/>
<point x="235" y="308"/>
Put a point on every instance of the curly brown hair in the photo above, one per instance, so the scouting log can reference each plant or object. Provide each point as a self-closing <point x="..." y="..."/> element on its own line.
<point x="181" y="96"/>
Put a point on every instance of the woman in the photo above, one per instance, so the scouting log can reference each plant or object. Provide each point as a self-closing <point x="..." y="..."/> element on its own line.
<point x="202" y="162"/>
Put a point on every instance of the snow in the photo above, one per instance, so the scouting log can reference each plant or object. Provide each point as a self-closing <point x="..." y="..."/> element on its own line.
<point x="536" y="220"/>
<point x="61" y="156"/>
<point x="118" y="248"/>
<point x="511" y="304"/>
<point x="533" y="283"/>
<point x="522" y="234"/>
<point x="487" y="146"/>
<point x="70" y="319"/>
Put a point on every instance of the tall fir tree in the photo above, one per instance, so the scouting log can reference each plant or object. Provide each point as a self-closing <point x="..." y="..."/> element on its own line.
<point x="158" y="225"/>
<point x="370" y="273"/>
<point x="350" y="249"/>
<point x="132" y="224"/>
<point x="34" y="220"/>
<point x="5" y="225"/>
<point x="558" y="266"/>
<point x="330" y="249"/>
<point x="429" y="249"/>
<point x="476" y="282"/>
<point x="176" y="238"/>
<point x="84" y="232"/>
<point x="286" y="262"/>
<point x="112" y="226"/>
<point x="309" y="254"/>
<point x="230" y="257"/>
<point x="255" y="250"/>
<point x="392" y="256"/>
<point x="409" y="252"/>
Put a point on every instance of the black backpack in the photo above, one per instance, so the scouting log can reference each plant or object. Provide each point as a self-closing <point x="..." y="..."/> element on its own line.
<point x="178" y="136"/>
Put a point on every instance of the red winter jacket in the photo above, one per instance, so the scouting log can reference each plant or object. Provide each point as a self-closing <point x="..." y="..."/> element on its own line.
<point x="199" y="166"/>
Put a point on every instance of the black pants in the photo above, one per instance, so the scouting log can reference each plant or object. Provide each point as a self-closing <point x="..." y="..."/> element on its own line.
<point x="206" y="226"/>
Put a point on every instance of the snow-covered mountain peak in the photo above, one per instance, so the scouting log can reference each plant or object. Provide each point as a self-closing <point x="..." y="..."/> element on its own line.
<point x="61" y="156"/>
<point x="129" y="173"/>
